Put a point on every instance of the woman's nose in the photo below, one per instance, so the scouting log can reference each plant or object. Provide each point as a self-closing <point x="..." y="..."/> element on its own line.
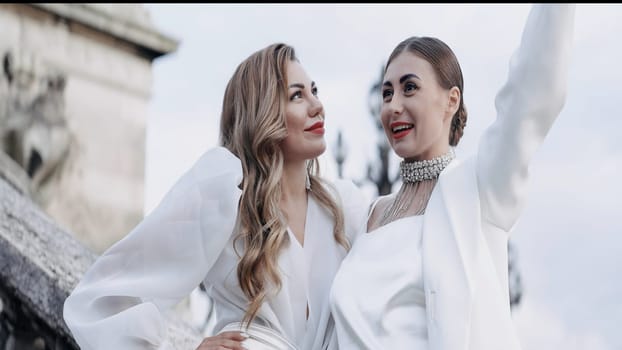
<point x="316" y="108"/>
<point x="395" y="106"/>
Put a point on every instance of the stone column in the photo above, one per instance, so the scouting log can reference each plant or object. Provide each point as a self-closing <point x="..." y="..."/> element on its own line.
<point x="105" y="53"/>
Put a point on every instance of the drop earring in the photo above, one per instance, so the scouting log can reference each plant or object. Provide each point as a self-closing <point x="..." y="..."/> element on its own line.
<point x="308" y="182"/>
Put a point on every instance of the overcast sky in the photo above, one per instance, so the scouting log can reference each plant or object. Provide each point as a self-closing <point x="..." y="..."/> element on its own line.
<point x="568" y="240"/>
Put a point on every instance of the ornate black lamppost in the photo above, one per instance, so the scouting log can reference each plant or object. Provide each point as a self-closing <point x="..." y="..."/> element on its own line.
<point x="340" y="153"/>
<point x="379" y="173"/>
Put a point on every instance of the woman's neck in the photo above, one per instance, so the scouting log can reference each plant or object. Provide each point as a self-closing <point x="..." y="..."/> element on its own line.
<point x="429" y="154"/>
<point x="293" y="181"/>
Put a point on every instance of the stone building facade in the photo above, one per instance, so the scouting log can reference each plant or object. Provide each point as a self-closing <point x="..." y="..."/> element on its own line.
<point x="93" y="63"/>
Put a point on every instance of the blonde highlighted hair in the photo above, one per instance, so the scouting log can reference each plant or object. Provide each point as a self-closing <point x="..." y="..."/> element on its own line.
<point x="252" y="127"/>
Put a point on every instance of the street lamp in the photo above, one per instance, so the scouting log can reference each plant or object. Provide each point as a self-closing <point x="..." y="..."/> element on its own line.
<point x="379" y="175"/>
<point x="514" y="278"/>
<point x="340" y="153"/>
<point x="374" y="100"/>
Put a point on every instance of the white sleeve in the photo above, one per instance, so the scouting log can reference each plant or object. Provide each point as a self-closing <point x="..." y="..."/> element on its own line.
<point x="355" y="205"/>
<point x="123" y="299"/>
<point x="527" y="105"/>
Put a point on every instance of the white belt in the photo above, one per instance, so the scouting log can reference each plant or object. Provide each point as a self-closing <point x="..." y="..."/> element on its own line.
<point x="260" y="337"/>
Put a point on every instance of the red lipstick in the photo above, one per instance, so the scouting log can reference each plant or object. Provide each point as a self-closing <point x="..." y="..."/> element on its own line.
<point x="316" y="128"/>
<point x="400" y="129"/>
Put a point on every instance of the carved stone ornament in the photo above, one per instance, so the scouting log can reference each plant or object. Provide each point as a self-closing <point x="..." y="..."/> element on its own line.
<point x="33" y="128"/>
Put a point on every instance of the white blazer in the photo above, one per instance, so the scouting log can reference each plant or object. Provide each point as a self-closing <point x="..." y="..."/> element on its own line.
<point x="124" y="299"/>
<point x="477" y="201"/>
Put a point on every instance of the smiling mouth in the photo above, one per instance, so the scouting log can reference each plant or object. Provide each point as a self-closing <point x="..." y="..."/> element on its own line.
<point x="401" y="129"/>
<point x="317" y="128"/>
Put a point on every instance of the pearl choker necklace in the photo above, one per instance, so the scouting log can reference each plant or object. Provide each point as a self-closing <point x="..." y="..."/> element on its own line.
<point x="417" y="171"/>
<point x="418" y="181"/>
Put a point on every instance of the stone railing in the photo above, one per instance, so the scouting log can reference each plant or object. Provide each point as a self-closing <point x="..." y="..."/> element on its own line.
<point x="39" y="266"/>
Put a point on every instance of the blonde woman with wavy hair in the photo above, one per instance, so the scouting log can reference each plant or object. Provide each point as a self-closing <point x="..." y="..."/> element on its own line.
<point x="251" y="219"/>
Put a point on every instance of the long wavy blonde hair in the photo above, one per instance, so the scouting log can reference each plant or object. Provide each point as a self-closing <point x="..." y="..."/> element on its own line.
<point x="252" y="127"/>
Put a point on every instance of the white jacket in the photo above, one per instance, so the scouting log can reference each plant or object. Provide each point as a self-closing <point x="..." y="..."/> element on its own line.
<point x="477" y="201"/>
<point x="122" y="301"/>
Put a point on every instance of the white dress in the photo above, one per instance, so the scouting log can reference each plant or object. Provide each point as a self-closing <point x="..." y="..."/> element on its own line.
<point x="378" y="298"/>
<point x="477" y="201"/>
<point x="123" y="299"/>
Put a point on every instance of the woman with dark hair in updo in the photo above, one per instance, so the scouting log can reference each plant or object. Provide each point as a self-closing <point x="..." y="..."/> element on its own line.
<point x="431" y="270"/>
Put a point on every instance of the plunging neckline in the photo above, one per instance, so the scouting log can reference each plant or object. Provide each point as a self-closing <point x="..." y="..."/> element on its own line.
<point x="371" y="211"/>
<point x="291" y="233"/>
<point x="301" y="246"/>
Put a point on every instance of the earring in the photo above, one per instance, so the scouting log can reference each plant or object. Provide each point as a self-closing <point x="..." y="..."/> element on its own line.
<point x="308" y="182"/>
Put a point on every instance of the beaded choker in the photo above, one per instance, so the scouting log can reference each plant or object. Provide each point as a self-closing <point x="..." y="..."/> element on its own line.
<point x="428" y="169"/>
<point x="418" y="181"/>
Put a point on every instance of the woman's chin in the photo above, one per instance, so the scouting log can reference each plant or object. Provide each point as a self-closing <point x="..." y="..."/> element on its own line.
<point x="403" y="152"/>
<point x="316" y="152"/>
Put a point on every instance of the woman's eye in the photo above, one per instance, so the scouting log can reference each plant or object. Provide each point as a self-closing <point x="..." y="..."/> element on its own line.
<point x="295" y="95"/>
<point x="314" y="91"/>
<point x="410" y="87"/>
<point x="387" y="94"/>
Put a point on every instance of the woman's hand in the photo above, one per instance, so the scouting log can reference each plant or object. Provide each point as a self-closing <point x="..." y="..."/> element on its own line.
<point x="224" y="341"/>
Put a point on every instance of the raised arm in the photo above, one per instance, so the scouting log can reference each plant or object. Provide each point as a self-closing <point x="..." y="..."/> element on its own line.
<point x="122" y="300"/>
<point x="527" y="105"/>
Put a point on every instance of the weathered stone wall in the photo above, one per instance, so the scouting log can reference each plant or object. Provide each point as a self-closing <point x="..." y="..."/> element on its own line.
<point x="106" y="53"/>
<point x="40" y="264"/>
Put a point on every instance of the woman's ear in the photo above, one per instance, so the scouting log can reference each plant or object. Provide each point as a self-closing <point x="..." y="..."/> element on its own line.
<point x="453" y="101"/>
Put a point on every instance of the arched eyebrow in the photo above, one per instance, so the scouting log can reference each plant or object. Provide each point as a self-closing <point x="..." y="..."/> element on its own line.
<point x="301" y="86"/>
<point x="403" y="79"/>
